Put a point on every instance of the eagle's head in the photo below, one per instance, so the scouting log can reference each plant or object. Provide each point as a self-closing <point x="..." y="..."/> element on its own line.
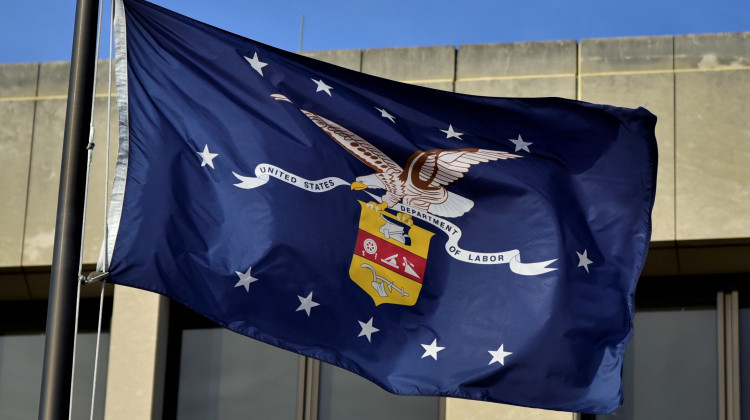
<point x="367" y="181"/>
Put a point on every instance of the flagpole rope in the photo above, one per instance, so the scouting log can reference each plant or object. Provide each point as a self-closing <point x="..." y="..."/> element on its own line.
<point x="75" y="344"/>
<point x="90" y="157"/>
<point x="109" y="134"/>
<point x="96" y="351"/>
<point x="106" y="194"/>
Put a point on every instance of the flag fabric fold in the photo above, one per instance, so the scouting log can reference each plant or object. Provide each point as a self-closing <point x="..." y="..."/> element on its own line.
<point x="431" y="242"/>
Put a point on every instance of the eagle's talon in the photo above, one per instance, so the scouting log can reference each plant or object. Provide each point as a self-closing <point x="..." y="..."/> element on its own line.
<point x="405" y="218"/>
<point x="377" y="206"/>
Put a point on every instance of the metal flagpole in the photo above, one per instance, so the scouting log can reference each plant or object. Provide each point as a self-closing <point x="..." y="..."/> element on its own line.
<point x="54" y="400"/>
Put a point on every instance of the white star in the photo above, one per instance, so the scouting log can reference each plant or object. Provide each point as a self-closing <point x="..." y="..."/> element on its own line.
<point x="385" y="114"/>
<point x="583" y="260"/>
<point x="521" y="145"/>
<point x="245" y="279"/>
<point x="367" y="329"/>
<point x="208" y="157"/>
<point x="306" y="303"/>
<point x="256" y="64"/>
<point x="450" y="133"/>
<point x="322" y="86"/>
<point x="431" y="349"/>
<point x="499" y="355"/>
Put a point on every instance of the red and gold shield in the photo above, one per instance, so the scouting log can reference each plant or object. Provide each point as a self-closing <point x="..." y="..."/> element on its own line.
<point x="390" y="256"/>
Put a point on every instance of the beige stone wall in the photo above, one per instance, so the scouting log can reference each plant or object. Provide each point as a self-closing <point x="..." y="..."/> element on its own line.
<point x="137" y="353"/>
<point x="33" y="100"/>
<point x="697" y="85"/>
<point x="457" y="409"/>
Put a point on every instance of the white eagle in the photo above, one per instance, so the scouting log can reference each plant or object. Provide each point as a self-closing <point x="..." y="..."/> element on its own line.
<point x="421" y="184"/>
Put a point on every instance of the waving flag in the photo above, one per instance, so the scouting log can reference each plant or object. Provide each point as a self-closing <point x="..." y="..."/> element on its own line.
<point x="431" y="242"/>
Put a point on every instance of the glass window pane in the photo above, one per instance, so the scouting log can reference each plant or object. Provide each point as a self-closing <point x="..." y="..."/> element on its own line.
<point x="20" y="375"/>
<point x="745" y="363"/>
<point x="345" y="396"/>
<point x="670" y="368"/>
<point x="21" y="357"/>
<point x="85" y="372"/>
<point x="224" y="375"/>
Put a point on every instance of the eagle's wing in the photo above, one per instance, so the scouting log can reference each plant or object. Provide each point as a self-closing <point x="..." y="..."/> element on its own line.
<point x="450" y="165"/>
<point x="356" y="145"/>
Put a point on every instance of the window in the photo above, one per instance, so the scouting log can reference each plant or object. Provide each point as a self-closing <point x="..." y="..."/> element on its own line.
<point x="22" y="327"/>
<point x="213" y="373"/>
<point x="745" y="352"/>
<point x="344" y="396"/>
<point x="683" y="359"/>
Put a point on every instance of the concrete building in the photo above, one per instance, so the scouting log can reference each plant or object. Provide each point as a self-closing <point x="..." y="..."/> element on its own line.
<point x="690" y="357"/>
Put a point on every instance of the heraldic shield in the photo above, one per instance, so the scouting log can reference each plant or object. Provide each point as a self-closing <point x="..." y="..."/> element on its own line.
<point x="390" y="256"/>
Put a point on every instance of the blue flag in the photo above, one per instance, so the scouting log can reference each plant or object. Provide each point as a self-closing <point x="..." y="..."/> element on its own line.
<point x="431" y="242"/>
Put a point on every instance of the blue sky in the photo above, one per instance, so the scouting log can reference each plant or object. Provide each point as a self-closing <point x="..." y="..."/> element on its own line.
<point x="42" y="30"/>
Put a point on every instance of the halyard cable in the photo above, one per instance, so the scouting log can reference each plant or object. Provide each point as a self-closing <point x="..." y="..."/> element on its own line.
<point x="90" y="157"/>
<point x="106" y="184"/>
